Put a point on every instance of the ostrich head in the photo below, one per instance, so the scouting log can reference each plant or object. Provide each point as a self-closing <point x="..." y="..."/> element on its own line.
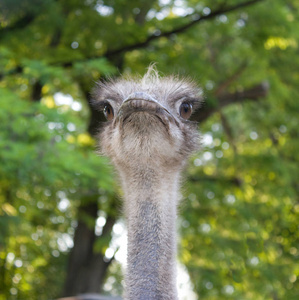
<point x="148" y="121"/>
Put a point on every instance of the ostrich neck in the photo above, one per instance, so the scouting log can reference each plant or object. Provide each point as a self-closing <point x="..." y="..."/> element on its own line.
<point x="150" y="207"/>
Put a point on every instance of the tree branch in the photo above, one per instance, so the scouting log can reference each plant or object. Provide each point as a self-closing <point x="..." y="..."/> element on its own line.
<point x="196" y="18"/>
<point x="232" y="180"/>
<point x="256" y="92"/>
<point x="228" y="130"/>
<point x="20" y="24"/>
<point x="17" y="70"/>
<point x="25" y="13"/>
<point x="226" y="83"/>
<point x="253" y="94"/>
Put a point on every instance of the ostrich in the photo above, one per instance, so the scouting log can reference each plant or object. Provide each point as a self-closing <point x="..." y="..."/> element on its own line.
<point x="149" y="138"/>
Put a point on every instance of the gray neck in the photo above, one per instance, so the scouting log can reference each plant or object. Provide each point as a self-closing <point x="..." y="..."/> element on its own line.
<point x="150" y="206"/>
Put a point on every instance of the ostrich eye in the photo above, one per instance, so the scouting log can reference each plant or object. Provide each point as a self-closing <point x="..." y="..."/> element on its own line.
<point x="185" y="110"/>
<point x="108" y="112"/>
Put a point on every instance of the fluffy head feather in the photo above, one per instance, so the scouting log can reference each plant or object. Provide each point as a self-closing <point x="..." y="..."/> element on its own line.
<point x="166" y="90"/>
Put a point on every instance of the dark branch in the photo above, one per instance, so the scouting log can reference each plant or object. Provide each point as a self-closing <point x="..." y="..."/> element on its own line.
<point x="17" y="70"/>
<point x="196" y="18"/>
<point x="25" y="13"/>
<point x="228" y="131"/>
<point x="20" y="24"/>
<point x="233" y="180"/>
<point x="253" y="94"/>
<point x="258" y="91"/>
<point x="226" y="83"/>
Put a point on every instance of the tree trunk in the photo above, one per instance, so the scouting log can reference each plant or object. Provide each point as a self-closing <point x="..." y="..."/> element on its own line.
<point x="87" y="269"/>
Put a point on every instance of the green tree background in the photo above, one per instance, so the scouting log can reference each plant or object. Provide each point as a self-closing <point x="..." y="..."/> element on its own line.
<point x="59" y="204"/>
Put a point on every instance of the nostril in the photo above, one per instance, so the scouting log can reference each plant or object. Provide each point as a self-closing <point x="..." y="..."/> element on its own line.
<point x="135" y="103"/>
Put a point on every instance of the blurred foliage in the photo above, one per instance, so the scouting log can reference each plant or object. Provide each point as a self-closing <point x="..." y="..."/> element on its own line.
<point x="240" y="219"/>
<point x="47" y="167"/>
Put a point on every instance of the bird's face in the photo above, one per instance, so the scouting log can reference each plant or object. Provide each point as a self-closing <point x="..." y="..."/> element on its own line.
<point x="148" y="124"/>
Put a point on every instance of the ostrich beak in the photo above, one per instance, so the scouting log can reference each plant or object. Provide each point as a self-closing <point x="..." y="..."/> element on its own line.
<point x="141" y="101"/>
<point x="145" y="97"/>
